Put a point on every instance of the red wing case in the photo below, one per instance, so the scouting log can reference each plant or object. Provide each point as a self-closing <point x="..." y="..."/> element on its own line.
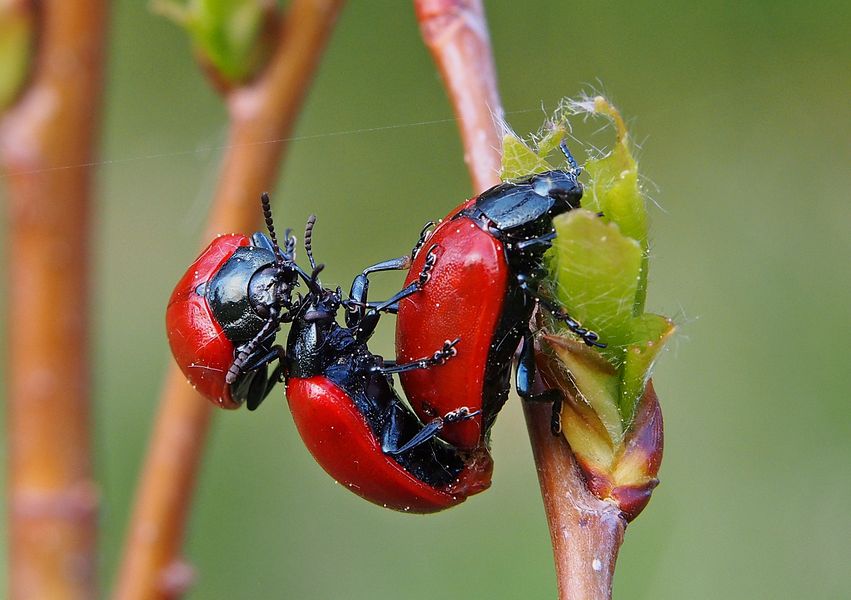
<point x="197" y="341"/>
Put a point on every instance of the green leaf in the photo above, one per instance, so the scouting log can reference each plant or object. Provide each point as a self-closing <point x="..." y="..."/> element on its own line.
<point x="519" y="159"/>
<point x="598" y="267"/>
<point x="596" y="272"/>
<point x="650" y="333"/>
<point x="614" y="190"/>
<point x="552" y="137"/>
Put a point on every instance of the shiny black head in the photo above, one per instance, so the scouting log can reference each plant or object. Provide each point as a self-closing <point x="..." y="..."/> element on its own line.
<point x="254" y="284"/>
<point x="560" y="186"/>
<point x="316" y="339"/>
<point x="524" y="208"/>
<point x="241" y="291"/>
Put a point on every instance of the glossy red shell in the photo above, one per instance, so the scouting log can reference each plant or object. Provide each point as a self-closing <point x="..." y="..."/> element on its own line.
<point x="197" y="341"/>
<point x="463" y="298"/>
<point x="340" y="439"/>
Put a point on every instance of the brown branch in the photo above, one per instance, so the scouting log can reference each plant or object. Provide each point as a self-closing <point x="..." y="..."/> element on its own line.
<point x="456" y="33"/>
<point x="265" y="110"/>
<point x="586" y="532"/>
<point x="52" y="495"/>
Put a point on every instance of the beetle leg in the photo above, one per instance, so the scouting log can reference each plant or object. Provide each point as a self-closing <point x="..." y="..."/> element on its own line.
<point x="425" y="275"/>
<point x="525" y="377"/>
<point x="423" y="435"/>
<point x="357" y="302"/>
<point x="360" y="285"/>
<point x="356" y="306"/>
<point x="425" y="233"/>
<point x="252" y="388"/>
<point x="544" y="240"/>
<point x="432" y="428"/>
<point x="363" y="314"/>
<point x="246" y="352"/>
<point x="256" y="397"/>
<point x="365" y="324"/>
<point x="260" y="359"/>
<point x="557" y="398"/>
<point x="254" y="382"/>
<point x="391" y="431"/>
<point x="591" y="338"/>
<point x="365" y="321"/>
<point x="391" y="308"/>
<point x="438" y="358"/>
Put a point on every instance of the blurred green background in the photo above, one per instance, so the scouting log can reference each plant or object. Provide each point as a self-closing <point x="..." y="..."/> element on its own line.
<point x="742" y="112"/>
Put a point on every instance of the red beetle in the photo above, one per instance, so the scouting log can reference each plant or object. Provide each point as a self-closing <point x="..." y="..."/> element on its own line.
<point x="476" y="278"/>
<point x="224" y="313"/>
<point x="358" y="429"/>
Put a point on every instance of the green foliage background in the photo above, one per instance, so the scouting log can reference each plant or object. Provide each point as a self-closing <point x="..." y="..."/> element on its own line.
<point x="742" y="112"/>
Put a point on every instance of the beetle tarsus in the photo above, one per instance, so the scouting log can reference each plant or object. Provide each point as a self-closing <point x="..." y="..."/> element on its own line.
<point x="590" y="338"/>
<point x="438" y="358"/>
<point x="425" y="233"/>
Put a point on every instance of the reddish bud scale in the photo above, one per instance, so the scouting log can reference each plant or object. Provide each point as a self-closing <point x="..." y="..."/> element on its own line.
<point x="623" y="473"/>
<point x="632" y="478"/>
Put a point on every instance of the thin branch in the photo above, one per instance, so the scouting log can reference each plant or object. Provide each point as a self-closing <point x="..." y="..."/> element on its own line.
<point x="52" y="495"/>
<point x="456" y="33"/>
<point x="264" y="110"/>
<point x="586" y="532"/>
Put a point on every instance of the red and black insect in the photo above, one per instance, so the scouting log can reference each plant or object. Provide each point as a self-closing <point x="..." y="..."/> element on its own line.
<point x="476" y="277"/>
<point x="222" y="321"/>
<point x="225" y="312"/>
<point x="355" y="425"/>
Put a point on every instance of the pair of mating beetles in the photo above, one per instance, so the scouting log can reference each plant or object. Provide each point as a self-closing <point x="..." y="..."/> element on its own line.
<point x="471" y="290"/>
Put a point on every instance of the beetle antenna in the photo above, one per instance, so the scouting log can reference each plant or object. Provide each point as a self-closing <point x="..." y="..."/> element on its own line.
<point x="312" y="280"/>
<point x="308" y="239"/>
<point x="314" y="276"/>
<point x="574" y="166"/>
<point x="267" y="215"/>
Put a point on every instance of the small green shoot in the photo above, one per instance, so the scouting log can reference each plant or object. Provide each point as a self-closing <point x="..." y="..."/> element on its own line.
<point x="598" y="267"/>
<point x="17" y="37"/>
<point x="230" y="36"/>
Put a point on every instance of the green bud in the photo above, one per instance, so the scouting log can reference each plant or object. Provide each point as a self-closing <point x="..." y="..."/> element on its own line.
<point x="598" y="268"/>
<point x="233" y="39"/>
<point x="17" y="39"/>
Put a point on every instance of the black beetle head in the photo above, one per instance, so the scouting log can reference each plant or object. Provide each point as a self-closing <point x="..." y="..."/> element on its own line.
<point x="313" y="328"/>
<point x="323" y="309"/>
<point x="561" y="186"/>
